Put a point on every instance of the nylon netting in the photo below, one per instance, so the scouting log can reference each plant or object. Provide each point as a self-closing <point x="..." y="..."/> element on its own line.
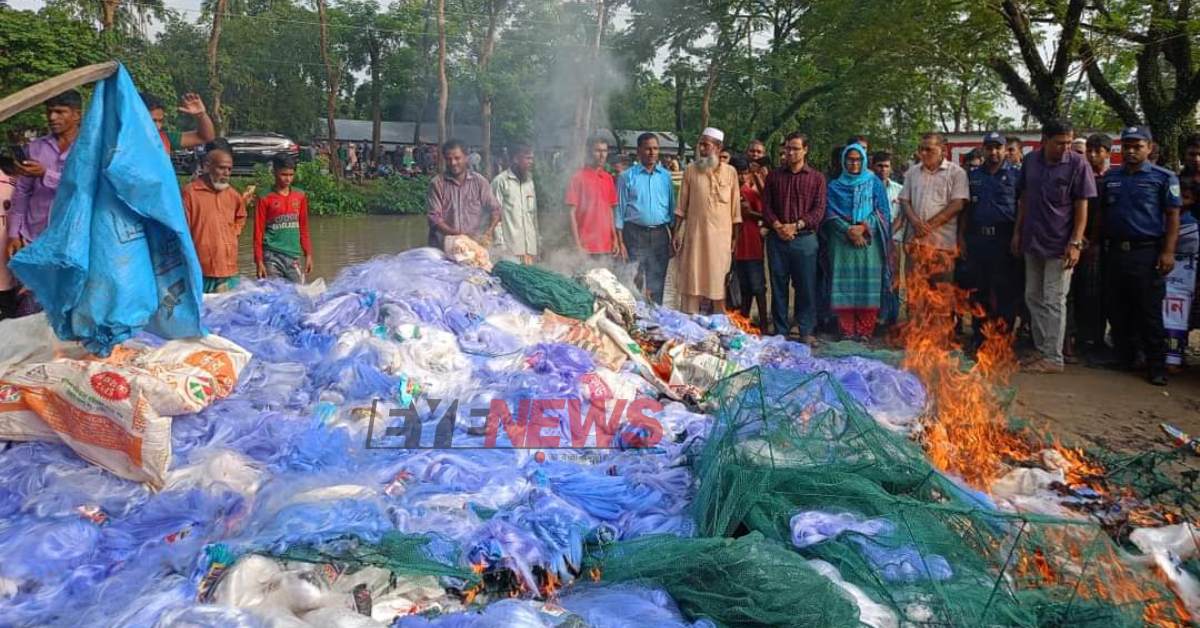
<point x="935" y="553"/>
<point x="925" y="550"/>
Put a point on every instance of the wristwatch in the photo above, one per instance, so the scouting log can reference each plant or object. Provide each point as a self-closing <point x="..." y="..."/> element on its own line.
<point x="1079" y="244"/>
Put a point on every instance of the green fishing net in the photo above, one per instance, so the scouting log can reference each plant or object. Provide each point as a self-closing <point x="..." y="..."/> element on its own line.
<point x="933" y="552"/>
<point x="542" y="289"/>
<point x="748" y="581"/>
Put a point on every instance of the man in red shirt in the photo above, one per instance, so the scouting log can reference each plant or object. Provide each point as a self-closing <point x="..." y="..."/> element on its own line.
<point x="748" y="251"/>
<point x="592" y="195"/>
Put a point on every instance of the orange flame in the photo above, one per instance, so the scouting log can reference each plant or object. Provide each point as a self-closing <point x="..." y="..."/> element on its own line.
<point x="966" y="434"/>
<point x="741" y="322"/>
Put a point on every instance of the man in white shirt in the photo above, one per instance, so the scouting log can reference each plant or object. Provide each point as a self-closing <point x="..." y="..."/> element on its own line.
<point x="934" y="194"/>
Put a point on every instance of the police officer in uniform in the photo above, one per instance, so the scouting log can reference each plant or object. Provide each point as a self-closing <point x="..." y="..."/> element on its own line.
<point x="995" y="276"/>
<point x="1140" y="220"/>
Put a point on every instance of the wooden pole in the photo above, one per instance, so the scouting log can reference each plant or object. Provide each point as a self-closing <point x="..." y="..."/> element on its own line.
<point x="34" y="95"/>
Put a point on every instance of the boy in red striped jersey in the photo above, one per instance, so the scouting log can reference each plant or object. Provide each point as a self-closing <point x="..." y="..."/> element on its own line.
<point x="281" y="228"/>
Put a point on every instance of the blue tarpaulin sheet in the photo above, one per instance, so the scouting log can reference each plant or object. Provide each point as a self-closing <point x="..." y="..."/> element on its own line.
<point x="117" y="256"/>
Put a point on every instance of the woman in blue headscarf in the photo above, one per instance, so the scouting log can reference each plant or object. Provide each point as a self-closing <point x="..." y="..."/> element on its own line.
<point x="858" y="232"/>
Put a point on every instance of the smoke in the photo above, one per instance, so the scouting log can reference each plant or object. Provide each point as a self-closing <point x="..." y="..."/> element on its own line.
<point x="581" y="80"/>
<point x="571" y="106"/>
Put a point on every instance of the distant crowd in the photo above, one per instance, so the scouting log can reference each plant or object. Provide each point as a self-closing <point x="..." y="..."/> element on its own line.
<point x="1055" y="243"/>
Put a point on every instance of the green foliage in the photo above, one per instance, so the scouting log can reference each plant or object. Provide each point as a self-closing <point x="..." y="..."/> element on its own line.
<point x="38" y="46"/>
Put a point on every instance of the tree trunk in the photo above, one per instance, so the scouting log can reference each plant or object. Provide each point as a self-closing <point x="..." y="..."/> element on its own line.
<point x="331" y="80"/>
<point x="679" y="89"/>
<point x="214" y="77"/>
<point x="709" y="84"/>
<point x="443" y="84"/>
<point x="485" y="89"/>
<point x="427" y="102"/>
<point x="1042" y="93"/>
<point x="109" y="19"/>
<point x="714" y="70"/>
<point x="376" y="94"/>
<point x="798" y="101"/>
<point x="584" y="120"/>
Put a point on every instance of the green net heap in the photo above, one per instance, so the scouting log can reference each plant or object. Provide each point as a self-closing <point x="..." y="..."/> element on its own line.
<point x="928" y="553"/>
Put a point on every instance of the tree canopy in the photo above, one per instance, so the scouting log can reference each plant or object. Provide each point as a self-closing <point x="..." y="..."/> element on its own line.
<point x="531" y="70"/>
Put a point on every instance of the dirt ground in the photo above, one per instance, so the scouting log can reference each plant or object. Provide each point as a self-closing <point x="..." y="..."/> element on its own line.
<point x="1116" y="410"/>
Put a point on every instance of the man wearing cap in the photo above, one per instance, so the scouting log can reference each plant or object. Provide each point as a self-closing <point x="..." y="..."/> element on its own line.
<point x="994" y="272"/>
<point x="1055" y="185"/>
<point x="1140" y="219"/>
<point x="709" y="207"/>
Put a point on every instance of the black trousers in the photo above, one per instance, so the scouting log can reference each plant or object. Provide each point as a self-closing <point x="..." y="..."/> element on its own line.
<point x="996" y="278"/>
<point x="1085" y="305"/>
<point x="649" y="250"/>
<point x="1134" y="295"/>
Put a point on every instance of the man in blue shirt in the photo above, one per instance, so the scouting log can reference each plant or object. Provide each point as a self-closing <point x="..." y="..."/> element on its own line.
<point x="1140" y="206"/>
<point x="994" y="274"/>
<point x="645" y="207"/>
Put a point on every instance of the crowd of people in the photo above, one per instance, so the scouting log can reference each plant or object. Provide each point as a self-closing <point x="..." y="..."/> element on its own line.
<point x="1056" y="242"/>
<point x="359" y="162"/>
<point x="216" y="212"/>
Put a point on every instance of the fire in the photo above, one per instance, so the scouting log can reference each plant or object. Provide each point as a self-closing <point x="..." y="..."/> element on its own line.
<point x="966" y="434"/>
<point x="741" y="322"/>
<point x="550" y="586"/>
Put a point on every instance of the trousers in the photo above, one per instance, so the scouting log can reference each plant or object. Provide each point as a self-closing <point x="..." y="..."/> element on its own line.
<point x="1135" y="291"/>
<point x="995" y="278"/>
<point x="1046" y="284"/>
<point x="649" y="253"/>
<point x="793" y="264"/>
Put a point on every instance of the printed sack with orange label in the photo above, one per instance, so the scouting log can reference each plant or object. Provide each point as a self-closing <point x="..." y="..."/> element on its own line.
<point x="116" y="412"/>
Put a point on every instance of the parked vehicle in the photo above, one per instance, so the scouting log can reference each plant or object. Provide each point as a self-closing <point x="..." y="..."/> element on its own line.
<point x="249" y="150"/>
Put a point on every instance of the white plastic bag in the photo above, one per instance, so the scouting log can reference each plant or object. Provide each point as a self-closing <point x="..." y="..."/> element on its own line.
<point x="464" y="250"/>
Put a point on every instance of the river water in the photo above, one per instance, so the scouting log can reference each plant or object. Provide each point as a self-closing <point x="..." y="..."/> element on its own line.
<point x="339" y="241"/>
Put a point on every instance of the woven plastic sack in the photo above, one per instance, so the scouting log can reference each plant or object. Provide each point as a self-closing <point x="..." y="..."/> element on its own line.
<point x="117" y="413"/>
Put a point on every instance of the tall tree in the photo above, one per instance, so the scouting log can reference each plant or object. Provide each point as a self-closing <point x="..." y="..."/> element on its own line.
<point x="114" y="17"/>
<point x="1042" y="93"/>
<point x="443" y="82"/>
<point x="219" y="9"/>
<point x="484" y="83"/>
<point x="1162" y="33"/>
<point x="370" y="38"/>
<point x="332" y="77"/>
<point x="24" y="38"/>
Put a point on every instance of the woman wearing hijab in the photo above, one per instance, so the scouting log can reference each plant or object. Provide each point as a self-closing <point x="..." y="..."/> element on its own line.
<point x="857" y="230"/>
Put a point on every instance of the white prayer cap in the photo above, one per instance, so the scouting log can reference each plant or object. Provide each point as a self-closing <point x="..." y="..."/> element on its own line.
<point x="715" y="134"/>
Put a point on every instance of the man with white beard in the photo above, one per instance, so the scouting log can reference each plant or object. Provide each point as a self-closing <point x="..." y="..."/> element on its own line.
<point x="709" y="208"/>
<point x="216" y="214"/>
